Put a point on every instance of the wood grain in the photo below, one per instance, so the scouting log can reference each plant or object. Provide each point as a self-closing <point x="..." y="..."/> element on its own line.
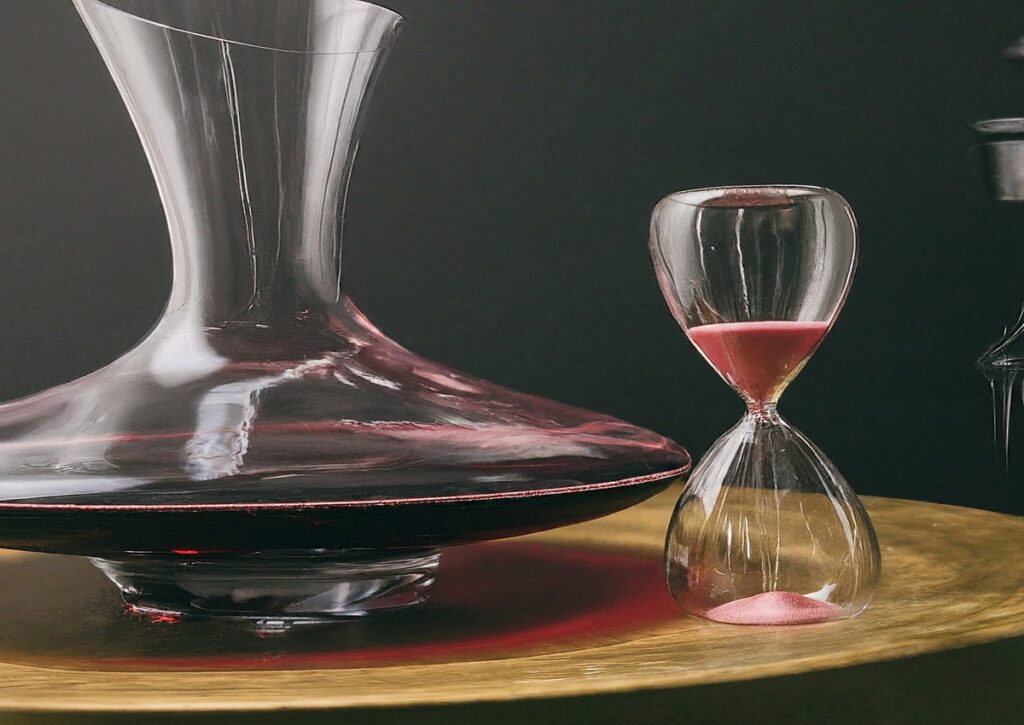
<point x="952" y="577"/>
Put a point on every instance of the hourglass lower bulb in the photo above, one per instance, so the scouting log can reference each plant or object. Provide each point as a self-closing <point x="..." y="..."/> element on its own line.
<point x="767" y="531"/>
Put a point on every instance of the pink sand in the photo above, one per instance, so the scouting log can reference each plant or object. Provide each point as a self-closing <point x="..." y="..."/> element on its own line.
<point x="758" y="358"/>
<point x="774" y="608"/>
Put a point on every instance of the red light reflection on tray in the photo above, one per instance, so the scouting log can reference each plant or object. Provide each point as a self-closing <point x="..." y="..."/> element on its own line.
<point x="493" y="600"/>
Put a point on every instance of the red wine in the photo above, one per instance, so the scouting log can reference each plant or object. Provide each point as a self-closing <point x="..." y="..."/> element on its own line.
<point x="233" y="529"/>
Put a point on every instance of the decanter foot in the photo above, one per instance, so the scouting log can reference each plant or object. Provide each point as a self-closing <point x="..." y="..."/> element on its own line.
<point x="272" y="592"/>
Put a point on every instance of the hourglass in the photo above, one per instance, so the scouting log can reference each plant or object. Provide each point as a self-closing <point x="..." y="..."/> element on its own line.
<point x="767" y="531"/>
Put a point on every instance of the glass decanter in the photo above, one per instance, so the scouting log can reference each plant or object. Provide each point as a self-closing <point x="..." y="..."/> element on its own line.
<point x="767" y="531"/>
<point x="1001" y="147"/>
<point x="265" y="453"/>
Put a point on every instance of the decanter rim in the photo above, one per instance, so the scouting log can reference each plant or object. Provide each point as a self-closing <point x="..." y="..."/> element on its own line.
<point x="749" y="194"/>
<point x="395" y="18"/>
<point x="526" y="493"/>
<point x="999" y="126"/>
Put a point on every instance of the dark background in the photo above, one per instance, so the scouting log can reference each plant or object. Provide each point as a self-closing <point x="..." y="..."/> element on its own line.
<point x="499" y="208"/>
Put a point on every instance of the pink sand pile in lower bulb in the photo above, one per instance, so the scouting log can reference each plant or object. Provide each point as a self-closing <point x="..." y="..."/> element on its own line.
<point x="775" y="608"/>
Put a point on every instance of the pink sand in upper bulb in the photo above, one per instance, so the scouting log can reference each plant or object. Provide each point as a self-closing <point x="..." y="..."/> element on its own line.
<point x="759" y="358"/>
<point x="775" y="608"/>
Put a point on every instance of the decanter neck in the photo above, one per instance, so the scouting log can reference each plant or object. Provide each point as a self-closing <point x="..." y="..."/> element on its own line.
<point x="252" y="149"/>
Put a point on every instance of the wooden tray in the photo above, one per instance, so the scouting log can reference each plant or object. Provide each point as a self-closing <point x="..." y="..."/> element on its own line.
<point x="582" y="610"/>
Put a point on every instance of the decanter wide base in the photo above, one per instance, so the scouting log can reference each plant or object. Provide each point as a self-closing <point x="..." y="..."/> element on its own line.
<point x="272" y="592"/>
